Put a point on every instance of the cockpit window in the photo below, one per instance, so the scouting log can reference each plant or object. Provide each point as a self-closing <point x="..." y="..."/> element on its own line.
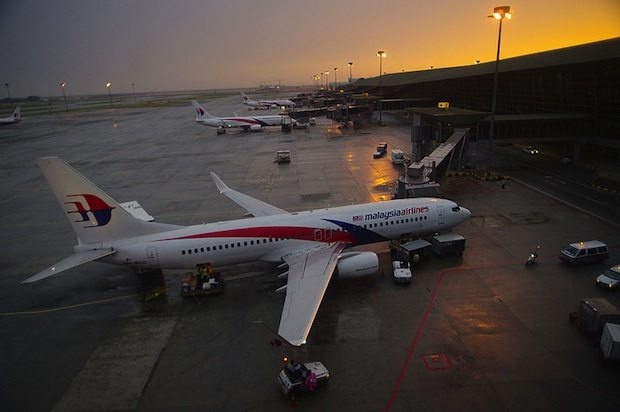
<point x="456" y="209"/>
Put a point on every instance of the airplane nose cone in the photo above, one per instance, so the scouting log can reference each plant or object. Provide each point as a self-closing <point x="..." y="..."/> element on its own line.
<point x="465" y="213"/>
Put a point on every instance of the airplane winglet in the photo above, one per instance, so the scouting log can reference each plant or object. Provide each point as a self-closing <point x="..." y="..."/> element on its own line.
<point x="221" y="186"/>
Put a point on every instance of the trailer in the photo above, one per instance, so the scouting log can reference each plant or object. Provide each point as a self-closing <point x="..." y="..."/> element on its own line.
<point x="592" y="315"/>
<point x="610" y="342"/>
<point x="449" y="244"/>
<point x="414" y="251"/>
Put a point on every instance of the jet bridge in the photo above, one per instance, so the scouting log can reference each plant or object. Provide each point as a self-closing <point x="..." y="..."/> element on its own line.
<point x="420" y="178"/>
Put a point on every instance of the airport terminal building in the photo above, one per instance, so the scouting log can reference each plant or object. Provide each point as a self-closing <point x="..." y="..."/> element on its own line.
<point x="570" y="96"/>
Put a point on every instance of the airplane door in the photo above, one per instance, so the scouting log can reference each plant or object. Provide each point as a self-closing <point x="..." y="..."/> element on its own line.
<point x="318" y="235"/>
<point x="151" y="256"/>
<point x="441" y="218"/>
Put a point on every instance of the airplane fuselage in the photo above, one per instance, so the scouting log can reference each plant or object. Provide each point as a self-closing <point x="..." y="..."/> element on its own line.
<point x="247" y="122"/>
<point x="271" y="237"/>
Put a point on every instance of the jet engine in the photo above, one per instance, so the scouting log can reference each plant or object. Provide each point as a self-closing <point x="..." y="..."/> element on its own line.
<point x="255" y="127"/>
<point x="357" y="264"/>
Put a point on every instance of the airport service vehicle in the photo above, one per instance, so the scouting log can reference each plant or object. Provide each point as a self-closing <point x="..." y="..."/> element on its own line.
<point x="201" y="284"/>
<point x="311" y="244"/>
<point x="592" y="315"/>
<point x="380" y="151"/>
<point x="448" y="244"/>
<point x="15" y="117"/>
<point x="610" y="278"/>
<point x="266" y="103"/>
<point x="283" y="156"/>
<point x="398" y="156"/>
<point x="246" y="123"/>
<point x="531" y="150"/>
<point x="610" y="342"/>
<point x="296" y="378"/>
<point x="401" y="271"/>
<point x="584" y="252"/>
<point x="415" y="250"/>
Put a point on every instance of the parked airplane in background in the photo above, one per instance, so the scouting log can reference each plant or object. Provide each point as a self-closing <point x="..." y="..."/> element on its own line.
<point x="311" y="243"/>
<point x="265" y="103"/>
<point x="15" y="117"/>
<point x="247" y="123"/>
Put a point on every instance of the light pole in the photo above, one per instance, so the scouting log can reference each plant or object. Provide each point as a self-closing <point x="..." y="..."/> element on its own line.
<point x="327" y="80"/>
<point x="500" y="13"/>
<point x="381" y="55"/>
<point x="350" y="76"/>
<point x="335" y="78"/>
<point x="8" y="91"/>
<point x="108" y="86"/>
<point x="64" y="95"/>
<point x="133" y="89"/>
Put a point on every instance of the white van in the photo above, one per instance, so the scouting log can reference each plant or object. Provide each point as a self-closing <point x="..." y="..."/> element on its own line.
<point x="584" y="252"/>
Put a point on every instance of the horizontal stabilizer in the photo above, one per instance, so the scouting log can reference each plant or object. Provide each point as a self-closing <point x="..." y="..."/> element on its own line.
<point x="137" y="210"/>
<point x="70" y="262"/>
<point x="255" y="207"/>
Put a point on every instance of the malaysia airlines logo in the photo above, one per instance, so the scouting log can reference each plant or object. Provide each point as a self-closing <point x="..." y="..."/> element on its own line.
<point x="91" y="204"/>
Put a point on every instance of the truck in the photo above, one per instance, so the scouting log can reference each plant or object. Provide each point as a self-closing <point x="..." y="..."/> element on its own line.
<point x="398" y="157"/>
<point x="283" y="156"/>
<point x="610" y="342"/>
<point x="296" y="378"/>
<point x="448" y="244"/>
<point x="592" y="315"/>
<point x="401" y="271"/>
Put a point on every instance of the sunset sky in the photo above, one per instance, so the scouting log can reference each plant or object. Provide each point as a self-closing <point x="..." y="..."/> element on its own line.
<point x="191" y="44"/>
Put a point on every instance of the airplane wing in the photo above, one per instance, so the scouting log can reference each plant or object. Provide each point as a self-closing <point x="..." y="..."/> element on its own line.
<point x="70" y="262"/>
<point x="308" y="276"/>
<point x="254" y="206"/>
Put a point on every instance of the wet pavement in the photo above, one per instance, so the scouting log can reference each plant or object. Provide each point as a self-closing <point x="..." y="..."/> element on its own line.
<point x="477" y="332"/>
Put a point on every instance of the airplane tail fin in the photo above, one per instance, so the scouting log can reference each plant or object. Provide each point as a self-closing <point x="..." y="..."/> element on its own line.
<point x="201" y="113"/>
<point x="17" y="114"/>
<point x="94" y="216"/>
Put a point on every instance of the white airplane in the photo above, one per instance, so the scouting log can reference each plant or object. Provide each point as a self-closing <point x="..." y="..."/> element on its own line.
<point x="265" y="103"/>
<point x="312" y="243"/>
<point x="15" y="117"/>
<point x="247" y="123"/>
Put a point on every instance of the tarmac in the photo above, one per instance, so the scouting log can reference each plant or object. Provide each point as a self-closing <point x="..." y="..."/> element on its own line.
<point x="476" y="332"/>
